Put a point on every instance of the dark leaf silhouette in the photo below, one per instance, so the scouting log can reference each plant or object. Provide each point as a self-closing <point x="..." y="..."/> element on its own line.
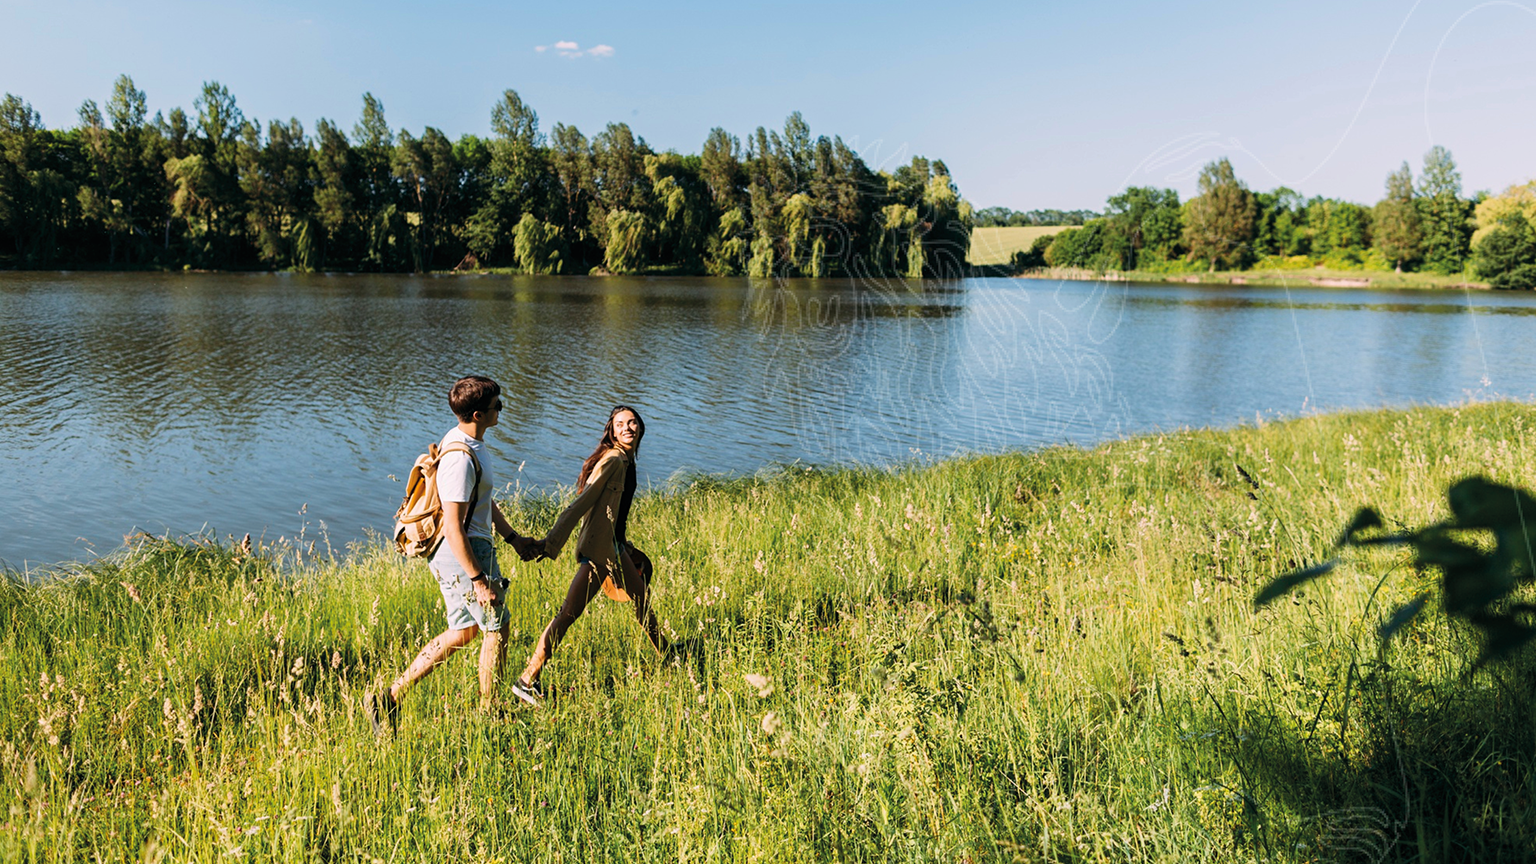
<point x="1404" y="614"/>
<point x="1480" y="503"/>
<point x="1502" y="635"/>
<point x="1366" y="519"/>
<point x="1476" y="582"/>
<point x="1283" y="585"/>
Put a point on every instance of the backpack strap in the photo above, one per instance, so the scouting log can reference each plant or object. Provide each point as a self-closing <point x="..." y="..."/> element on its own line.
<point x="474" y="496"/>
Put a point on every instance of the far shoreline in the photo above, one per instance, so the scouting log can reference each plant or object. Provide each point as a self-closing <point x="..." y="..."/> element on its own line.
<point x="1311" y="278"/>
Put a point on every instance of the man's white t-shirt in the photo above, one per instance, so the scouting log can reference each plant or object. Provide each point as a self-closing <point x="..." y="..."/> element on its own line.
<point x="456" y="481"/>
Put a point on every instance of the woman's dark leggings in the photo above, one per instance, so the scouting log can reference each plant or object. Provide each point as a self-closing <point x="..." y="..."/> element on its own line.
<point x="588" y="583"/>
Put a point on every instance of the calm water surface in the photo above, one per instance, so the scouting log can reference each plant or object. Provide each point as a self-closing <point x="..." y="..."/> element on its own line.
<point x="274" y="404"/>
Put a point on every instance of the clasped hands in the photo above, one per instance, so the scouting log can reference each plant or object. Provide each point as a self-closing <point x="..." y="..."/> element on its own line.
<point x="527" y="548"/>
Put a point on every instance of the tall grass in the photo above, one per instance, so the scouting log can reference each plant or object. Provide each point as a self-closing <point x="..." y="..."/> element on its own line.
<point x="1046" y="656"/>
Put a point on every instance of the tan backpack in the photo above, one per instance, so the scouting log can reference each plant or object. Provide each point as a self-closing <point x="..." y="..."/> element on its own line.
<point x="419" y="521"/>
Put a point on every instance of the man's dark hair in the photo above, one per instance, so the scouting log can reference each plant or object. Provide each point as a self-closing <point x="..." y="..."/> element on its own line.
<point x="471" y="394"/>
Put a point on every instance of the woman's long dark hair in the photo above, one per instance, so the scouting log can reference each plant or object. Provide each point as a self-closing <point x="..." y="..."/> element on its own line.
<point x="603" y="446"/>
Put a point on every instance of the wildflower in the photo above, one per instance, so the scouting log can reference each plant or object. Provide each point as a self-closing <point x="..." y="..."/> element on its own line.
<point x="761" y="682"/>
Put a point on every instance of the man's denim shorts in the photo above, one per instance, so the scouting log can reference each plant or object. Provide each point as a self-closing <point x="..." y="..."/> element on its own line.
<point x="464" y="611"/>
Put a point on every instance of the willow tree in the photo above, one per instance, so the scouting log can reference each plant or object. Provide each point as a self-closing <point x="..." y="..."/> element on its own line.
<point x="627" y="235"/>
<point x="1219" y="222"/>
<point x="894" y="252"/>
<point x="798" y="214"/>
<point x="730" y="247"/>
<point x="945" y="244"/>
<point x="680" y="209"/>
<point x="539" y="246"/>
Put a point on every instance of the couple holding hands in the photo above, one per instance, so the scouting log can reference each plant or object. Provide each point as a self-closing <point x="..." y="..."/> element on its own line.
<point x="474" y="592"/>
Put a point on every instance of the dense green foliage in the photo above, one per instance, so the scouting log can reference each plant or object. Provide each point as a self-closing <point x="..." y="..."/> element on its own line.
<point x="998" y="217"/>
<point x="1227" y="226"/>
<point x="215" y="189"/>
<point x="1047" y="656"/>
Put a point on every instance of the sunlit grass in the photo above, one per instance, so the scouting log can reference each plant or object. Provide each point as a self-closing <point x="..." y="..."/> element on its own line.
<point x="1041" y="656"/>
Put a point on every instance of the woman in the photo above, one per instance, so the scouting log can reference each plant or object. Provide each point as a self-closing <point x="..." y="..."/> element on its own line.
<point x="605" y="561"/>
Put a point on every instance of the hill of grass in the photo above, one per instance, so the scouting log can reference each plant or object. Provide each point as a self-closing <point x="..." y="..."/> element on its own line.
<point x="1045" y="656"/>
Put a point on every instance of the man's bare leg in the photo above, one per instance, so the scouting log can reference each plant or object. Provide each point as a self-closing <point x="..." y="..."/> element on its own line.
<point x="439" y="649"/>
<point x="493" y="656"/>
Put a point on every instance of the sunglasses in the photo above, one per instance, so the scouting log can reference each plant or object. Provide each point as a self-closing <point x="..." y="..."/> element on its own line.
<point x="495" y="406"/>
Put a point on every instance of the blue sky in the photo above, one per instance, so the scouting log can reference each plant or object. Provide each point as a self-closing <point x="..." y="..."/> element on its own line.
<point x="1031" y="105"/>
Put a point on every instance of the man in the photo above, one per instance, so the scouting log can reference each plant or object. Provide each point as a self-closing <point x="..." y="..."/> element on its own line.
<point x="465" y="562"/>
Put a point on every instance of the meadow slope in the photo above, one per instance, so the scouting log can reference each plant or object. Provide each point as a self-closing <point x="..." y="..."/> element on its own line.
<point x="1043" y="656"/>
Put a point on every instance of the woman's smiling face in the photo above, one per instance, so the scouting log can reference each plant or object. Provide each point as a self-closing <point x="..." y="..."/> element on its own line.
<point x="626" y="429"/>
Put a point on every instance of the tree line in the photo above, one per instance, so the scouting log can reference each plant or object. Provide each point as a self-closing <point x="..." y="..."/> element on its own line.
<point x="214" y="189"/>
<point x="998" y="217"/>
<point x="1419" y="224"/>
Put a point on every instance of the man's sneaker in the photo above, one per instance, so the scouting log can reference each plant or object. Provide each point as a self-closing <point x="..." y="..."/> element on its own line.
<point x="533" y="694"/>
<point x="383" y="711"/>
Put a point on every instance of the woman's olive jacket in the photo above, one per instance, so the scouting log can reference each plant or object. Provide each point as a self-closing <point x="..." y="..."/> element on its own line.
<point x="597" y="508"/>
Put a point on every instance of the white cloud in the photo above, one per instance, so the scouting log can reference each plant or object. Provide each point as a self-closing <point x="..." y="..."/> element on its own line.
<point x="567" y="48"/>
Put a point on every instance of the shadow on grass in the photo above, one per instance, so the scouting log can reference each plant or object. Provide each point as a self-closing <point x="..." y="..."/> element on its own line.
<point x="1401" y="769"/>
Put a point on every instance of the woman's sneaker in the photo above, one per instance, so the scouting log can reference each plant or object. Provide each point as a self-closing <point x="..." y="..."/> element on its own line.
<point x="533" y="694"/>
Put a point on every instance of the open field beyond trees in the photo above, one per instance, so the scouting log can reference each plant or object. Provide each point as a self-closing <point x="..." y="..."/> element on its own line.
<point x="1047" y="656"/>
<point x="996" y="245"/>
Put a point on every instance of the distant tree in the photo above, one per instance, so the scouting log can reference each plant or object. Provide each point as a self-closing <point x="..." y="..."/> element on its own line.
<point x="730" y="247"/>
<point x="220" y="200"/>
<point x="1144" y="226"/>
<point x="721" y="168"/>
<point x="516" y="182"/>
<point x="1506" y="255"/>
<point x="1034" y="257"/>
<point x="1490" y="211"/>
<point x="1281" y="223"/>
<point x="1091" y="247"/>
<point x="1339" y="229"/>
<point x="680" y="208"/>
<point x="1443" y="215"/>
<point x="335" y="181"/>
<point x="539" y="246"/>
<point x="1395" y="223"/>
<point x="1219" y="222"/>
<point x="378" y="192"/>
<point x="276" y="176"/>
<point x="34" y="199"/>
<point x="570" y="160"/>
<point x="429" y="174"/>
<point x="618" y="163"/>
<point x="627" y="238"/>
<point x="98" y="203"/>
<point x="946" y="223"/>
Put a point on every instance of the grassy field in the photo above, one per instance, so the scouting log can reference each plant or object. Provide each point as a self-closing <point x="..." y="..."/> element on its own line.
<point x="1048" y="656"/>
<point x="997" y="245"/>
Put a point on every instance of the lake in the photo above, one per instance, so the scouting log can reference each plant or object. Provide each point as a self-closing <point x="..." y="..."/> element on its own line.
<point x="280" y="404"/>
